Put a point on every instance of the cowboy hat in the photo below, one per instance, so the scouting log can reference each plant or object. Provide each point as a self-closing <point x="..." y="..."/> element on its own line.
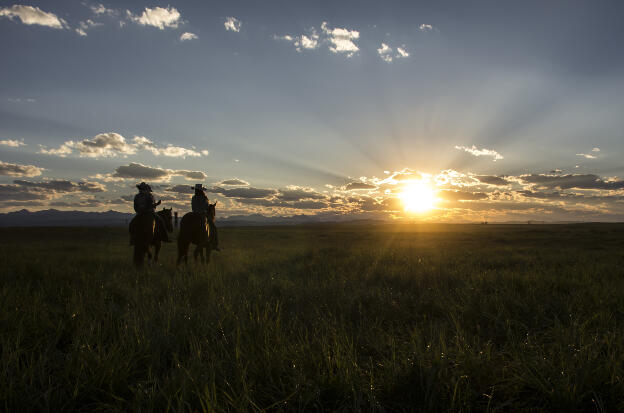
<point x="199" y="187"/>
<point x="144" y="187"/>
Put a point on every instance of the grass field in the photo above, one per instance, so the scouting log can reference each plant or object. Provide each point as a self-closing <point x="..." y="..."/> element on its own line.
<point x="317" y="318"/>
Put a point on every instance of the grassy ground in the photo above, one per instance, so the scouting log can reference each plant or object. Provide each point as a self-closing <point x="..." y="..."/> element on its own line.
<point x="380" y="318"/>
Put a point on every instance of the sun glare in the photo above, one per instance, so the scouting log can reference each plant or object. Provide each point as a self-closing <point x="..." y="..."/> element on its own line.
<point x="417" y="197"/>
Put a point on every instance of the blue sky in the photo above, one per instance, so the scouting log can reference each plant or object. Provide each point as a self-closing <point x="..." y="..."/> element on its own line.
<point x="280" y="107"/>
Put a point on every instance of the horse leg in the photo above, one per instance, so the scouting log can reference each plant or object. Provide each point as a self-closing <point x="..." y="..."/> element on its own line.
<point x="196" y="252"/>
<point x="138" y="255"/>
<point x="182" y="251"/>
<point x="156" y="251"/>
<point x="208" y="251"/>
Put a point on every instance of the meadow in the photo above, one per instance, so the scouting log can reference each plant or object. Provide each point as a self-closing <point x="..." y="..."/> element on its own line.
<point x="317" y="318"/>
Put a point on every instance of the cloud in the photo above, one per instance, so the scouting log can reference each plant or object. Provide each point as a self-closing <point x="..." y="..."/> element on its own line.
<point x="587" y="155"/>
<point x="401" y="52"/>
<point x="596" y="150"/>
<point x="297" y="194"/>
<point x="461" y="195"/>
<point x="234" y="182"/>
<point x="181" y="189"/>
<point x="569" y="181"/>
<point x="187" y="36"/>
<point x="473" y="150"/>
<point x="62" y="186"/>
<point x="385" y="52"/>
<point x="140" y="171"/>
<point x="100" y="9"/>
<point x="13" y="169"/>
<point x="13" y="143"/>
<point x="492" y="180"/>
<point x="245" y="192"/>
<point x="425" y="27"/>
<point x="158" y="17"/>
<point x="85" y="25"/>
<point x="273" y="203"/>
<point x="352" y="186"/>
<point x="308" y="41"/>
<point x="30" y="15"/>
<point x="342" y="40"/>
<point x="232" y="24"/>
<point x="112" y="144"/>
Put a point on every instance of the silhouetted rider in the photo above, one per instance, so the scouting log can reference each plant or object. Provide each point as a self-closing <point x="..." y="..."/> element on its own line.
<point x="144" y="204"/>
<point x="199" y="205"/>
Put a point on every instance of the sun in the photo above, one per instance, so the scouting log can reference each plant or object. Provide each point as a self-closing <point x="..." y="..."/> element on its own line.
<point x="417" y="197"/>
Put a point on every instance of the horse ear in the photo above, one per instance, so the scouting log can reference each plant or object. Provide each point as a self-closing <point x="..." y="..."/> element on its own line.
<point x="215" y="203"/>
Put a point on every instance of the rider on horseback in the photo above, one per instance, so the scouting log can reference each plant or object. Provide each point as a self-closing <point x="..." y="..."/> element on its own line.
<point x="144" y="204"/>
<point x="199" y="205"/>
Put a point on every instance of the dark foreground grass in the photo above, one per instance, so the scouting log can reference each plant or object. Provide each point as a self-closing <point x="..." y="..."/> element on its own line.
<point x="351" y="318"/>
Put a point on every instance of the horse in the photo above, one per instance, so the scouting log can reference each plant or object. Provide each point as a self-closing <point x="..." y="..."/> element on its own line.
<point x="196" y="229"/>
<point x="144" y="234"/>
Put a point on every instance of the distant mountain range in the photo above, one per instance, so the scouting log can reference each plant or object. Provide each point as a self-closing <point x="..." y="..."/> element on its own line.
<point x="56" y="218"/>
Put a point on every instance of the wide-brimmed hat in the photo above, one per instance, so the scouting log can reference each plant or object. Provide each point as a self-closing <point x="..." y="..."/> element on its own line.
<point x="144" y="187"/>
<point x="199" y="187"/>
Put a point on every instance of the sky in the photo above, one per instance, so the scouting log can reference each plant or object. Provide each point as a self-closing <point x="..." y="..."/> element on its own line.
<point x="502" y="110"/>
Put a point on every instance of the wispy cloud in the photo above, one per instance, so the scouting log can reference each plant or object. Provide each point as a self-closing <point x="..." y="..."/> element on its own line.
<point x="426" y="27"/>
<point x="13" y="143"/>
<point x="473" y="150"/>
<point x="385" y="52"/>
<point x="158" y="17"/>
<point x="303" y="41"/>
<point x="187" y="36"/>
<point x="232" y="24"/>
<point x="85" y="25"/>
<point x="113" y="144"/>
<point x="587" y="155"/>
<point x="30" y="15"/>
<point x="100" y="9"/>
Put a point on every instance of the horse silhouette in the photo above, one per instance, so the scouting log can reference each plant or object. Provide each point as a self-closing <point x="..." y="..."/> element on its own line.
<point x="195" y="229"/>
<point x="144" y="234"/>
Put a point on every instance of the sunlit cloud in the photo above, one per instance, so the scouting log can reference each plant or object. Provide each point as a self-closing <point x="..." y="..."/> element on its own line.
<point x="232" y="24"/>
<point x="385" y="52"/>
<point x="473" y="150"/>
<point x="85" y="25"/>
<point x="188" y="36"/>
<point x="30" y="15"/>
<point x="17" y="170"/>
<point x="158" y="17"/>
<point x="13" y="143"/>
<point x="425" y="27"/>
<point x="113" y="144"/>
<point x="341" y="40"/>
<point x="135" y="170"/>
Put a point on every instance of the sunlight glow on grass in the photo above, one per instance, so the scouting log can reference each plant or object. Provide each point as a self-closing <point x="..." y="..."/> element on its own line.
<point x="417" y="197"/>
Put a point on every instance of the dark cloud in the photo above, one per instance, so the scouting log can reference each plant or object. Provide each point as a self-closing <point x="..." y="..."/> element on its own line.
<point x="62" y="186"/>
<point x="14" y="169"/>
<point x="20" y="193"/>
<point x="492" y="180"/>
<point x="234" y="182"/>
<point x="358" y="185"/>
<point x="248" y="192"/>
<point x="298" y="194"/>
<point x="140" y="171"/>
<point x="577" y="181"/>
<point x="181" y="189"/>
<point x="461" y="195"/>
<point x="274" y="203"/>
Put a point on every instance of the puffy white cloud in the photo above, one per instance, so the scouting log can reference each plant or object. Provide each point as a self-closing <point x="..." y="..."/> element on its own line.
<point x="425" y="27"/>
<point x="158" y="17"/>
<point x="113" y="144"/>
<point x="14" y="169"/>
<point x="303" y="41"/>
<point x="187" y="36"/>
<point x="473" y="150"/>
<point x="232" y="24"/>
<point x="385" y="52"/>
<point x="13" y="143"/>
<point x="342" y="40"/>
<point x="30" y="15"/>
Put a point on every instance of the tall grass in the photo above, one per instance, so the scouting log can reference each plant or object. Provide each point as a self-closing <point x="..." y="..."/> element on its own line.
<point x="382" y="318"/>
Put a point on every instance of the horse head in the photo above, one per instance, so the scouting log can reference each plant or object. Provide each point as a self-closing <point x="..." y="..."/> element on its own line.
<point x="212" y="211"/>
<point x="167" y="217"/>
